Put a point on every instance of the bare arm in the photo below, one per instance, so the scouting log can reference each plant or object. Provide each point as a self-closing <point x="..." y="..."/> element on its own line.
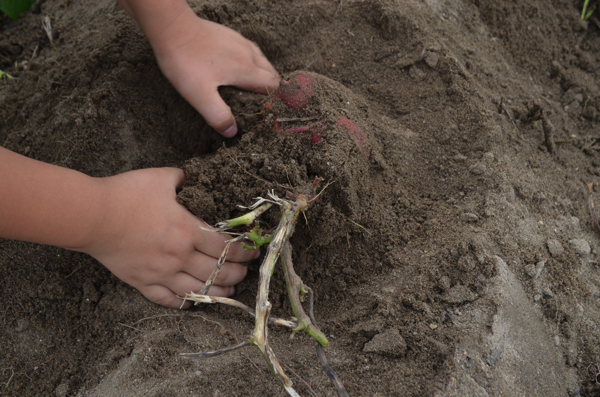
<point x="130" y="222"/>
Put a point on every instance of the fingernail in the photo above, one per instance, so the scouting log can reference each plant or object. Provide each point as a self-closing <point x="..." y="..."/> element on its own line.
<point x="231" y="291"/>
<point x="231" y="131"/>
<point x="257" y="254"/>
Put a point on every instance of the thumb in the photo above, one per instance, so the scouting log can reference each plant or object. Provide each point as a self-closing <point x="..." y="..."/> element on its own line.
<point x="216" y="113"/>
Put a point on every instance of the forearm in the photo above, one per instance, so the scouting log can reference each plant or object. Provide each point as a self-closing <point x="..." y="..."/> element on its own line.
<point x="47" y="204"/>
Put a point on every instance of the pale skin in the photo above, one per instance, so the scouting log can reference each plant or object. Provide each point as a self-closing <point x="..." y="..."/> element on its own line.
<point x="131" y="222"/>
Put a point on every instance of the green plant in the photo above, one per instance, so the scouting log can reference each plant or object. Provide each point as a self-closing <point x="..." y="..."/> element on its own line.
<point x="14" y="8"/>
<point x="585" y="13"/>
<point x="4" y="75"/>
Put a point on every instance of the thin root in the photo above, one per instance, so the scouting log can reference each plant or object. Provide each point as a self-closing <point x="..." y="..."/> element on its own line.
<point x="215" y="353"/>
<point x="198" y="298"/>
<point x="211" y="279"/>
<point x="331" y="374"/>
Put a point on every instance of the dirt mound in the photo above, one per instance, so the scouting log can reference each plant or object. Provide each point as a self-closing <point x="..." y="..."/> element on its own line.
<point x="450" y="256"/>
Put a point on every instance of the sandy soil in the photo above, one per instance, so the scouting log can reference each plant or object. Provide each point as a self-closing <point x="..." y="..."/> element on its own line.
<point x="452" y="256"/>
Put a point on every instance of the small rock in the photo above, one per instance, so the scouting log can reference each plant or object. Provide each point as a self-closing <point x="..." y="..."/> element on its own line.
<point x="460" y="157"/>
<point x="530" y="270"/>
<point x="388" y="343"/>
<point x="62" y="390"/>
<point x="431" y="59"/>
<point x="444" y="283"/>
<point x="469" y="217"/>
<point x="416" y="73"/>
<point x="555" y="247"/>
<point x="459" y="294"/>
<point x="538" y="269"/>
<point x="581" y="247"/>
<point x="477" y="169"/>
<point x="433" y="326"/>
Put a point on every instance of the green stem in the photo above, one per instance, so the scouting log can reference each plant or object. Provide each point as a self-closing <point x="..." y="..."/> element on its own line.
<point x="295" y="288"/>
<point x="246" y="219"/>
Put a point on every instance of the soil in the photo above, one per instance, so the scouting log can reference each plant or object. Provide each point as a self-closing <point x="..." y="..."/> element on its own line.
<point x="452" y="255"/>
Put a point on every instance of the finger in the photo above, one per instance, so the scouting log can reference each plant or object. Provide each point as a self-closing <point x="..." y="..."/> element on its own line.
<point x="258" y="80"/>
<point x="164" y="296"/>
<point x="201" y="267"/>
<point x="215" y="111"/>
<point x="261" y="60"/>
<point x="183" y="283"/>
<point x="213" y="244"/>
<point x="177" y="175"/>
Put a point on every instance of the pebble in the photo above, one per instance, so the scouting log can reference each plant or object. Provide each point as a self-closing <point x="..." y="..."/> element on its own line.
<point x="477" y="169"/>
<point x="469" y="217"/>
<point x="581" y="247"/>
<point x="431" y="59"/>
<point x="555" y="247"/>
<point x="388" y="343"/>
<point x="416" y="73"/>
<point x="530" y="270"/>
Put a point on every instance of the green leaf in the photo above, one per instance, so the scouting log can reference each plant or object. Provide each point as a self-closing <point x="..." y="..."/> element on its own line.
<point x="14" y="8"/>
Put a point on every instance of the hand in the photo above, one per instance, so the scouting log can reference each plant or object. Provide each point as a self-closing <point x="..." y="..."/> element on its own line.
<point x="153" y="243"/>
<point x="199" y="56"/>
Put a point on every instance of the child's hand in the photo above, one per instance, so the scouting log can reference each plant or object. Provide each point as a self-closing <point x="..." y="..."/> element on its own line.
<point x="198" y="56"/>
<point x="208" y="56"/>
<point x="153" y="243"/>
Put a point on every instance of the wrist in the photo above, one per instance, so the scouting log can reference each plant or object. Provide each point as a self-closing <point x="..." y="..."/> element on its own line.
<point x="102" y="217"/>
<point x="164" y="22"/>
<point x="87" y="217"/>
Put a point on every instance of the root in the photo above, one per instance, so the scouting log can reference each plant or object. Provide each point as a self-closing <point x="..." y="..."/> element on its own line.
<point x="331" y="374"/>
<point x="215" y="353"/>
<point x="198" y="298"/>
<point x="211" y="279"/>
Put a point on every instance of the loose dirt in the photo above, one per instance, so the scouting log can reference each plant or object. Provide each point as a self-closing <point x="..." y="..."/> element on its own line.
<point x="451" y="256"/>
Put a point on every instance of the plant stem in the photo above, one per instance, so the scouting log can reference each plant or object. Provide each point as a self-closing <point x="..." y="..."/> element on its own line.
<point x="259" y="338"/>
<point x="246" y="219"/>
<point x="295" y="288"/>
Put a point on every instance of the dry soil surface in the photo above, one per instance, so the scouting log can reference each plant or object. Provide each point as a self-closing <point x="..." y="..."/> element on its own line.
<point x="452" y="256"/>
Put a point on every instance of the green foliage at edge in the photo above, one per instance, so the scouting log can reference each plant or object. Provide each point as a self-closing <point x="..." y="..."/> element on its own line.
<point x="14" y="8"/>
<point x="585" y="13"/>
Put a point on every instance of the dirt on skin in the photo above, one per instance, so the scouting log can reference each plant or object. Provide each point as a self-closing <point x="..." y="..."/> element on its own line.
<point x="452" y="255"/>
